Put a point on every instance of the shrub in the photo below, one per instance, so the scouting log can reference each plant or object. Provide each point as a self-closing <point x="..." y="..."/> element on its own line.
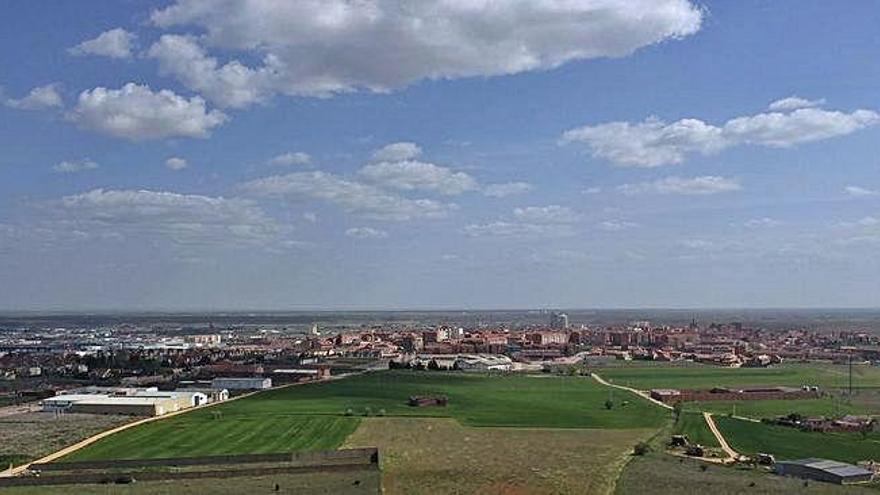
<point x="608" y="404"/>
<point x="380" y="412"/>
<point x="641" y="448"/>
<point x="368" y="411"/>
<point x="349" y="412"/>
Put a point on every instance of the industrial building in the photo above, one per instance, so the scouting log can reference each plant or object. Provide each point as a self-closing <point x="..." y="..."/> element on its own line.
<point x="255" y="383"/>
<point x="824" y="470"/>
<point x="121" y="400"/>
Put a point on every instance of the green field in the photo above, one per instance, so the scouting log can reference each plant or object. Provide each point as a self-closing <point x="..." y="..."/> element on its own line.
<point x="199" y="434"/>
<point x="757" y="409"/>
<point x="826" y="376"/>
<point x="694" y="426"/>
<point x="320" y="416"/>
<point x="749" y="437"/>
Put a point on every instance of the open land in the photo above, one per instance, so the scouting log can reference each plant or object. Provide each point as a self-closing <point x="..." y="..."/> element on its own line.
<point x="434" y="455"/>
<point x="28" y="436"/>
<point x="364" y="482"/>
<point x="320" y="416"/>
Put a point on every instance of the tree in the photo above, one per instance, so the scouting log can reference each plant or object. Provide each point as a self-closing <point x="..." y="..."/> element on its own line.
<point x="676" y="409"/>
<point x="609" y="404"/>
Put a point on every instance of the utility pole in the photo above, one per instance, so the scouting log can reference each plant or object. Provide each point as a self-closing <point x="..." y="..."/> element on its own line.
<point x="850" y="373"/>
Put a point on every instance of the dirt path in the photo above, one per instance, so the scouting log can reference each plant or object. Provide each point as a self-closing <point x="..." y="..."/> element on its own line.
<point x="638" y="392"/>
<point x="732" y="455"/>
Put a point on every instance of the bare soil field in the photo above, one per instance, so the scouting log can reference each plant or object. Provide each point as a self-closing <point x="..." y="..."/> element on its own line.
<point x="28" y="436"/>
<point x="439" y="456"/>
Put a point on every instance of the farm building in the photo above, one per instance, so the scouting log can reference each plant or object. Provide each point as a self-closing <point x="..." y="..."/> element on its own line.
<point x="721" y="393"/>
<point x="119" y="400"/>
<point x="212" y="394"/>
<point x="824" y="470"/>
<point x="254" y="383"/>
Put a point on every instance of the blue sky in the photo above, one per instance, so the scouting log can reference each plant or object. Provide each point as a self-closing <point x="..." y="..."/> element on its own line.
<point x="249" y="154"/>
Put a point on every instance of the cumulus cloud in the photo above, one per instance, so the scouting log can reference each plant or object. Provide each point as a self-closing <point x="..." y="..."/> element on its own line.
<point x="412" y="175"/>
<point x="860" y="192"/>
<point x="73" y="166"/>
<point x="39" y="98"/>
<point x="115" y="43"/>
<point x="354" y="197"/>
<point x="176" y="163"/>
<point x="291" y="158"/>
<point x="703" y="185"/>
<point x="545" y="214"/>
<point x="324" y="47"/>
<point x="794" y="102"/>
<point x="230" y="85"/>
<point x="180" y="218"/>
<point x="137" y="113"/>
<point x="654" y="142"/>
<point x="397" y="152"/>
<point x="506" y="189"/>
<point x="366" y="233"/>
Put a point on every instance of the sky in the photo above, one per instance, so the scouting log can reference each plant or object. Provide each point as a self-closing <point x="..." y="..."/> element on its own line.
<point x="435" y="154"/>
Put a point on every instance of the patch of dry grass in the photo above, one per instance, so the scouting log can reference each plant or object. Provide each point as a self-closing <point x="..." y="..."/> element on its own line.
<point x="439" y="456"/>
<point x="28" y="436"/>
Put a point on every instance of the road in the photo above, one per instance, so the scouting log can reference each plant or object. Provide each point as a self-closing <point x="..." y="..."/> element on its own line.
<point x="732" y="455"/>
<point x="638" y="392"/>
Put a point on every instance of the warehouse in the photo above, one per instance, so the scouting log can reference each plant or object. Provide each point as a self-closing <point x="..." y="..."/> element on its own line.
<point x="824" y="470"/>
<point x="133" y="406"/>
<point x="255" y="383"/>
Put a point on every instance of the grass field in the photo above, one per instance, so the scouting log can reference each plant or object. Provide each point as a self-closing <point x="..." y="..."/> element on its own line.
<point x="758" y="409"/>
<point x="315" y="416"/>
<point x="661" y="474"/>
<point x="200" y="433"/>
<point x="694" y="426"/>
<point x="827" y="376"/>
<point x="749" y="437"/>
<point x="440" y="456"/>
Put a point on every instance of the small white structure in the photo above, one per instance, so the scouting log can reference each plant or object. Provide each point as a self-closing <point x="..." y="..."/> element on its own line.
<point x="255" y="383"/>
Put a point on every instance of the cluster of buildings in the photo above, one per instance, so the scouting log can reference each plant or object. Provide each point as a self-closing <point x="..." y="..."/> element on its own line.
<point x="130" y="401"/>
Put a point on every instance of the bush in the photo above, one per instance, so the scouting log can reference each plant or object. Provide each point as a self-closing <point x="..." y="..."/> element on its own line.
<point x="349" y="412"/>
<point x="368" y="411"/>
<point x="380" y="412"/>
<point x="609" y="405"/>
<point x="641" y="448"/>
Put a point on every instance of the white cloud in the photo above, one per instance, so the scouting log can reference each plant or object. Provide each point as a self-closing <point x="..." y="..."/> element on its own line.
<point x="179" y="218"/>
<point x="310" y="217"/>
<point x="506" y="189"/>
<point x="653" y="142"/>
<point x="516" y="229"/>
<point x="176" y="163"/>
<point x="793" y="103"/>
<point x="397" y="152"/>
<point x="545" y="214"/>
<point x="354" y="197"/>
<point x="764" y="222"/>
<point x="703" y="185"/>
<point x="137" y="113"/>
<point x="592" y="190"/>
<point x="39" y="98"/>
<point x="322" y="47"/>
<point x="291" y="158"/>
<point x="73" y="166"/>
<point x="115" y="43"/>
<point x="868" y="221"/>
<point x="860" y="191"/>
<point x="616" y="225"/>
<point x="412" y="175"/>
<point x="366" y="233"/>
<point x="230" y="85"/>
